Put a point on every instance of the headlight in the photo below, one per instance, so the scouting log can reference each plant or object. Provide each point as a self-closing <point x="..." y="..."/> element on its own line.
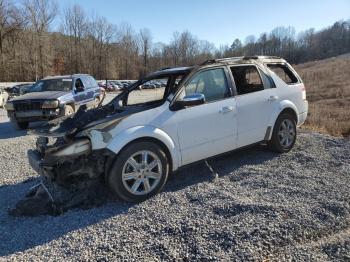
<point x="9" y="106"/>
<point x="78" y="147"/>
<point x="50" y="104"/>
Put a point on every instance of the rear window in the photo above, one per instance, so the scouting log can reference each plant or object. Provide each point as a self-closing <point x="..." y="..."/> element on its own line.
<point x="283" y="72"/>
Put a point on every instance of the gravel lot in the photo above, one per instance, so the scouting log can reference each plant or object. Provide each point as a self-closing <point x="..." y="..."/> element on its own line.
<point x="262" y="205"/>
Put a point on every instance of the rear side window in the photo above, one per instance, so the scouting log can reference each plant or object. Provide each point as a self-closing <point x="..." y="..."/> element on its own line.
<point x="283" y="72"/>
<point x="92" y="81"/>
<point x="86" y="82"/>
<point x="247" y="79"/>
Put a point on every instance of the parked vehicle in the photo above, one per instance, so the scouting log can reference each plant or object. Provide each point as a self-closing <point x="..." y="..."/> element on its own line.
<point x="3" y="97"/>
<point x="135" y="141"/>
<point x="53" y="97"/>
<point x="18" y="90"/>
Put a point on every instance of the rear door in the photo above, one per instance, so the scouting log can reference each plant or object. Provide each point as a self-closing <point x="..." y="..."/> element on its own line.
<point x="255" y="102"/>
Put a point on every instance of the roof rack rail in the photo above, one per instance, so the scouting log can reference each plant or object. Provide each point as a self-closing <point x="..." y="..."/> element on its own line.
<point x="165" y="68"/>
<point x="255" y="57"/>
<point x="260" y="57"/>
<point x="209" y="61"/>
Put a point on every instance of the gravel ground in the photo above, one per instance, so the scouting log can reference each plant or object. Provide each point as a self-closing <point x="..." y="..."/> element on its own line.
<point x="262" y="206"/>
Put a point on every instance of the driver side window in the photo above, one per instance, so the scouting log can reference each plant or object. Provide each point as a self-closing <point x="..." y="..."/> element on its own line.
<point x="79" y="84"/>
<point x="211" y="83"/>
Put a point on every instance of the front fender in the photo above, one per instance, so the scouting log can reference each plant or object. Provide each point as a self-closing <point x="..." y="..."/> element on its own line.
<point x="120" y="140"/>
<point x="277" y="111"/>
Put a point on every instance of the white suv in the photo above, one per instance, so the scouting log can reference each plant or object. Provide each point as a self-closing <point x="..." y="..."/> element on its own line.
<point x="142" y="135"/>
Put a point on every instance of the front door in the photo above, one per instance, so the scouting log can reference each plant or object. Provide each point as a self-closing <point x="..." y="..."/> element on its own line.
<point x="208" y="129"/>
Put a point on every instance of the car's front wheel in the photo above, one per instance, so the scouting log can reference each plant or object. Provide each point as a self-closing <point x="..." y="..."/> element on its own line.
<point x="139" y="172"/>
<point x="68" y="110"/>
<point x="21" y="125"/>
<point x="284" y="133"/>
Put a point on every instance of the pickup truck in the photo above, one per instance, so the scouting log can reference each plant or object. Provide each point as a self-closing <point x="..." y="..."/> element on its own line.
<point x="53" y="97"/>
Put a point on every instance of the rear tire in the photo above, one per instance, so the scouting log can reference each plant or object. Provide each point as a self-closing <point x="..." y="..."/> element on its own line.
<point x="139" y="172"/>
<point x="284" y="134"/>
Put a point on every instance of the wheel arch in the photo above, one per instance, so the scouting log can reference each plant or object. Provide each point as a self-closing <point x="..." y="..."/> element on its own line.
<point x="146" y="133"/>
<point x="284" y="107"/>
<point x="71" y="104"/>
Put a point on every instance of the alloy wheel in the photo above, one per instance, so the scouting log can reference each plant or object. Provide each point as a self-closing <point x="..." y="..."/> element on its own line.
<point x="142" y="172"/>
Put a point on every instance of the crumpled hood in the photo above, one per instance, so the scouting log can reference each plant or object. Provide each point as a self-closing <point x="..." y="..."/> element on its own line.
<point x="46" y="95"/>
<point x="102" y="117"/>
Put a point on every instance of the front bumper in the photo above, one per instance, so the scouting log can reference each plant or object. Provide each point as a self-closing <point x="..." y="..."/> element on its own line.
<point x="63" y="159"/>
<point x="34" y="115"/>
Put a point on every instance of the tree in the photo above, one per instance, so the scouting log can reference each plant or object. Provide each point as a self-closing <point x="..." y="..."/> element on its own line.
<point x="41" y="14"/>
<point x="74" y="26"/>
<point x="11" y="21"/>
<point x="146" y="42"/>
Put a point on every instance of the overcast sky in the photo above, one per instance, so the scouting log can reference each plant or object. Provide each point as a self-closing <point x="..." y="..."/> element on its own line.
<point x="218" y="21"/>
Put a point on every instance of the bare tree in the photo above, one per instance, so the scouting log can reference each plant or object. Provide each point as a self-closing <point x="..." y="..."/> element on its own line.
<point x="146" y="42"/>
<point x="41" y="14"/>
<point x="74" y="26"/>
<point x="11" y="21"/>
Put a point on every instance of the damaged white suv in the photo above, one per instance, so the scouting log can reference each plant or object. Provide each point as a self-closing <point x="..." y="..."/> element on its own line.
<point x="192" y="114"/>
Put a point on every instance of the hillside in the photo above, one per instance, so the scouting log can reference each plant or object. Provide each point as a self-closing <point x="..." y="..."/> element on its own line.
<point x="327" y="84"/>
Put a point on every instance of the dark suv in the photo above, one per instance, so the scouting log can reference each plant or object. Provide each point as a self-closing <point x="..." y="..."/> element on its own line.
<point x="53" y="97"/>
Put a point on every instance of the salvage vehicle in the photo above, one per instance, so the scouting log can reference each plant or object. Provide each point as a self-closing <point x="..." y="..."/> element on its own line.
<point x="137" y="139"/>
<point x="53" y="97"/>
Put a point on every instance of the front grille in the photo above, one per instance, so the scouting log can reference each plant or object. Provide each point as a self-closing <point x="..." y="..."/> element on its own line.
<point x="27" y="106"/>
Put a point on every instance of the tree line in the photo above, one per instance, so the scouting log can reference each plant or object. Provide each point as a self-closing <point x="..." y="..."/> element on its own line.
<point x="84" y="43"/>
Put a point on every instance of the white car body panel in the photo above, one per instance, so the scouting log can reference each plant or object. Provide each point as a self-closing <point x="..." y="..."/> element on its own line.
<point x="254" y="111"/>
<point x="198" y="133"/>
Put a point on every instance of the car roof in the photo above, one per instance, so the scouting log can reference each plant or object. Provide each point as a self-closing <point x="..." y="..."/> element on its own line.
<point x="244" y="60"/>
<point x="171" y="71"/>
<point x="216" y="62"/>
<point x="65" y="76"/>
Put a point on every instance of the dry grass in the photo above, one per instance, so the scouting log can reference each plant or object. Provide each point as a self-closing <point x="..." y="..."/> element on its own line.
<point x="327" y="85"/>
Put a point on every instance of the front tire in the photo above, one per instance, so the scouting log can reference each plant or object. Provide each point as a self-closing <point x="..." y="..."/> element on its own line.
<point x="20" y="125"/>
<point x="68" y="110"/>
<point x="139" y="172"/>
<point x="96" y="102"/>
<point x="284" y="134"/>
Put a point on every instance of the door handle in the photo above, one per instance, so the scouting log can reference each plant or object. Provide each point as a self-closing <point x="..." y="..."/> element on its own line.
<point x="272" y="98"/>
<point x="226" y="109"/>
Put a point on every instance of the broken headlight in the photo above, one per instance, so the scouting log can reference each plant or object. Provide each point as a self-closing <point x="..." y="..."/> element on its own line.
<point x="78" y="147"/>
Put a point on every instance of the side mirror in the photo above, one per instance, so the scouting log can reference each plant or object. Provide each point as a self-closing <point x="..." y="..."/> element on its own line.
<point x="188" y="101"/>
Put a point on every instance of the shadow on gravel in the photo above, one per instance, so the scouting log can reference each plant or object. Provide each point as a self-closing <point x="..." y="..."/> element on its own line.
<point x="223" y="166"/>
<point x="7" y="130"/>
<point x="21" y="233"/>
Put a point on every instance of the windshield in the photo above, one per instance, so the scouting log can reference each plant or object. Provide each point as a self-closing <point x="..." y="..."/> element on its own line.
<point x="52" y="85"/>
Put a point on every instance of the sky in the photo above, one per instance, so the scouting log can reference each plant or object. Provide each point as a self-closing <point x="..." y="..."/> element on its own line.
<point x="218" y="21"/>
